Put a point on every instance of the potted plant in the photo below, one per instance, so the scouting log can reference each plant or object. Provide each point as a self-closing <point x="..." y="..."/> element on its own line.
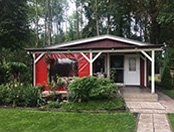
<point x="60" y="83"/>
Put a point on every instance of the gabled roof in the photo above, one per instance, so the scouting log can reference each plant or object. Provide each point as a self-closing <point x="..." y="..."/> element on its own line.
<point x="98" y="38"/>
<point x="87" y="43"/>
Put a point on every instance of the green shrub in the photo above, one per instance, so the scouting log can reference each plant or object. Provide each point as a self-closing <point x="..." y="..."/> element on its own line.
<point x="80" y="88"/>
<point x="4" y="91"/>
<point x="87" y="88"/>
<point x="113" y="74"/>
<point x="15" y="94"/>
<point x="166" y="79"/>
<point x="104" y="89"/>
<point x="2" y="74"/>
<point x="14" y="71"/>
<point x="53" y="104"/>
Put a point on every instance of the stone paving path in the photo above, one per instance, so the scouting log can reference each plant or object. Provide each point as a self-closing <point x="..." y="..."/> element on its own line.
<point x="153" y="123"/>
<point x="152" y="115"/>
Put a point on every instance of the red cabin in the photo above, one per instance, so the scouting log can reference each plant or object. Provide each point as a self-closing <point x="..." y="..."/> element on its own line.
<point x="99" y="56"/>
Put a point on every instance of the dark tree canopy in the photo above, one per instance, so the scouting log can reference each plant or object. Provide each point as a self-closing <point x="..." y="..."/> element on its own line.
<point x="14" y="27"/>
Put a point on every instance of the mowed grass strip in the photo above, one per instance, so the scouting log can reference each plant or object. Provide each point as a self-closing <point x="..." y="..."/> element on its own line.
<point x="169" y="92"/>
<point x="171" y="119"/>
<point x="113" y="104"/>
<point x="16" y="120"/>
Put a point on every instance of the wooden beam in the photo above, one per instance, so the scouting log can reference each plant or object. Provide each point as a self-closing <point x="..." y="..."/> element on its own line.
<point x="39" y="57"/>
<point x="96" y="56"/>
<point x="145" y="54"/>
<point x="103" y="50"/>
<point x="85" y="57"/>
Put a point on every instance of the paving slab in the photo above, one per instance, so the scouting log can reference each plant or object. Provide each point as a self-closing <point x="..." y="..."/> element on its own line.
<point x="161" y="123"/>
<point x="145" y="105"/>
<point x="145" y="123"/>
<point x="153" y="123"/>
<point x="152" y="115"/>
<point x="148" y="111"/>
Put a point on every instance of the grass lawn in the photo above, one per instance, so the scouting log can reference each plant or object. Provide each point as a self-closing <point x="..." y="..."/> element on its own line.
<point x="168" y="92"/>
<point x="15" y="120"/>
<point x="171" y="119"/>
<point x="113" y="104"/>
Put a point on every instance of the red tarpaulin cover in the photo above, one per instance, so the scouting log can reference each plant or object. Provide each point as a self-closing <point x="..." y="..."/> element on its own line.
<point x="42" y="72"/>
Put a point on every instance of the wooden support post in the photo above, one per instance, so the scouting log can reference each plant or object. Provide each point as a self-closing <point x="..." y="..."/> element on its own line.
<point x="90" y="63"/>
<point x="153" y="72"/>
<point x="34" y="70"/>
<point x="145" y="72"/>
<point x="108" y="65"/>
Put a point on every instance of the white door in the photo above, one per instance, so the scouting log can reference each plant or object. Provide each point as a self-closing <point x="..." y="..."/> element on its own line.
<point x="132" y="69"/>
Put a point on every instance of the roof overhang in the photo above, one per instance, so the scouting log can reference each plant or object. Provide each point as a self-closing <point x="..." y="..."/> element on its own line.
<point x="133" y="46"/>
<point x="96" y="50"/>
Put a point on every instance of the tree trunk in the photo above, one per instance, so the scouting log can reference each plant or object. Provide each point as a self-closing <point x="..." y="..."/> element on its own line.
<point x="49" y="23"/>
<point x="108" y="17"/>
<point x="77" y="18"/>
<point x="96" y="17"/>
<point x="36" y="24"/>
<point x="108" y="25"/>
<point x="46" y="21"/>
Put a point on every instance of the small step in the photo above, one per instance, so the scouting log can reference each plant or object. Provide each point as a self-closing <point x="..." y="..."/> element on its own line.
<point x="148" y="97"/>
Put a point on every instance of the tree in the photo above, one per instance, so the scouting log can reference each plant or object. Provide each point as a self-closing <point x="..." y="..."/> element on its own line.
<point x="166" y="79"/>
<point x="14" y="28"/>
<point x="166" y="20"/>
<point x="59" y="8"/>
<point x="73" y="31"/>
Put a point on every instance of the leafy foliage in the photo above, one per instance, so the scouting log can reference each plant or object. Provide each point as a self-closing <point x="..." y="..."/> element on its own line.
<point x="16" y="94"/>
<point x="2" y="74"/>
<point x="80" y="88"/>
<point x="105" y="88"/>
<point x="84" y="89"/>
<point x="169" y="57"/>
<point x="53" y="104"/>
<point x="166" y="79"/>
<point x="113" y="74"/>
<point x="14" y="71"/>
<point x="14" y="27"/>
<point x="14" y="36"/>
<point x="166" y="20"/>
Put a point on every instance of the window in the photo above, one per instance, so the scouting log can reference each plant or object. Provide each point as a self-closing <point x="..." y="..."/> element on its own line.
<point x="132" y="64"/>
<point x="63" y="68"/>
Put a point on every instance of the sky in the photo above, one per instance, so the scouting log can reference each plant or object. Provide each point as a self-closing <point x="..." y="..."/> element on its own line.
<point x="71" y="7"/>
